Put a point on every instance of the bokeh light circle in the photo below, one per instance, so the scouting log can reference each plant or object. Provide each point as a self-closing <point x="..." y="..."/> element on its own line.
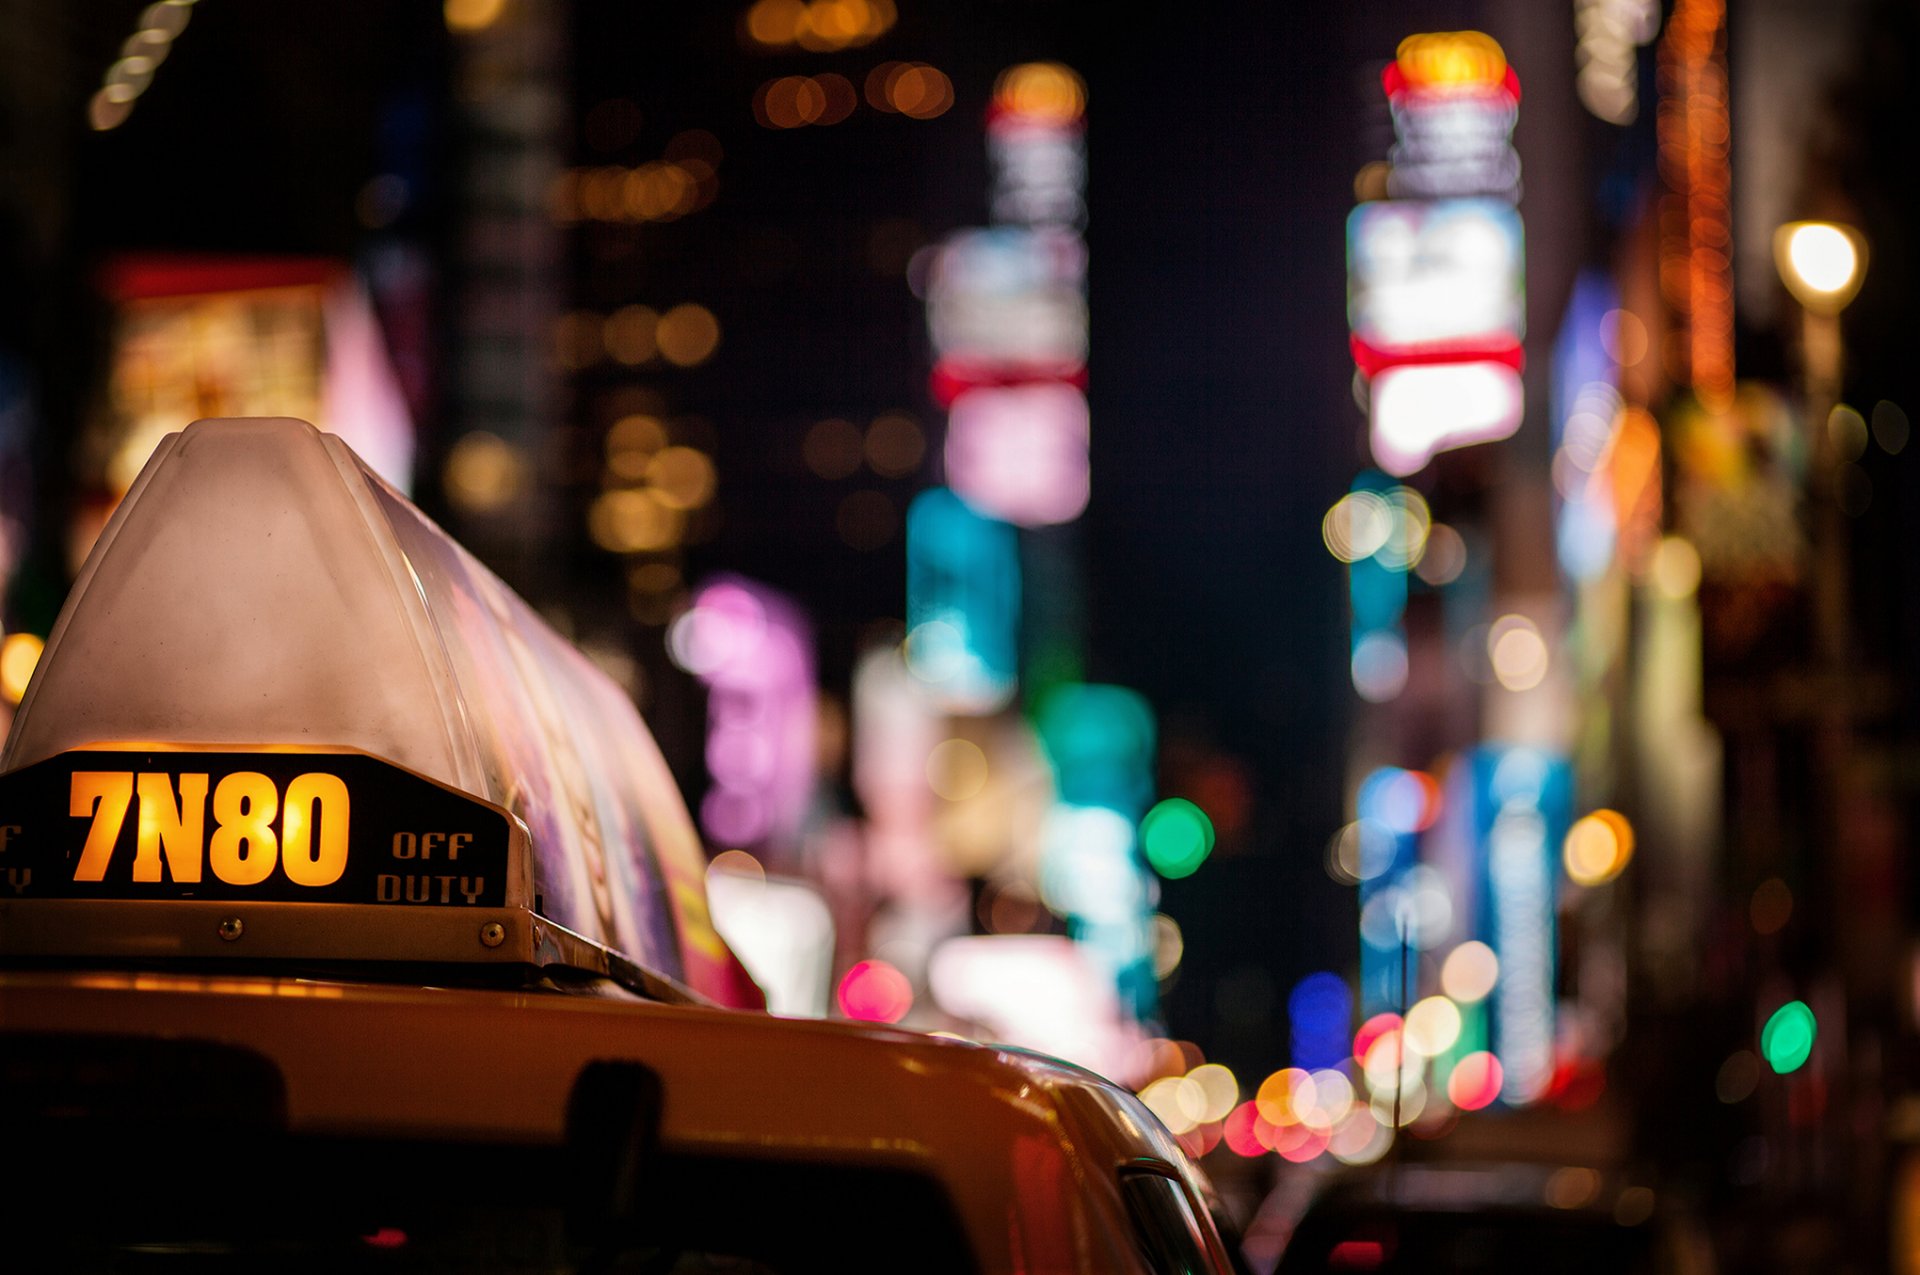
<point x="875" y="992"/>
<point x="1470" y="972"/>
<point x="1786" y="1042"/>
<point x="1177" y="837"/>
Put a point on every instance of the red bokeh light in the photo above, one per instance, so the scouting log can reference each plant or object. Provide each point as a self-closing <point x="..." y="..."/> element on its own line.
<point x="1371" y="1030"/>
<point x="875" y="992"/>
<point x="1475" y="1081"/>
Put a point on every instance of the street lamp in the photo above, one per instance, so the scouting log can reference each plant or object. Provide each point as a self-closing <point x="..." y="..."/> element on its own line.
<point x="1821" y="262"/>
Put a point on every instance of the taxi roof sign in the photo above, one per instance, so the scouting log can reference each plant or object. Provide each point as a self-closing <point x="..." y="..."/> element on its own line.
<point x="260" y="591"/>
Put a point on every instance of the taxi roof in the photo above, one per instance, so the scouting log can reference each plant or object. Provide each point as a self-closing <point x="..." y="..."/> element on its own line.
<point x="260" y="588"/>
<point x="1005" y="1132"/>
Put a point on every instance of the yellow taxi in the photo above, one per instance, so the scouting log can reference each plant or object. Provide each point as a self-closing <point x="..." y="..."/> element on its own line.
<point x="349" y="919"/>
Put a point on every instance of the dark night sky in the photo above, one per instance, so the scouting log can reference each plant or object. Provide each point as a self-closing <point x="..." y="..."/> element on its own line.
<point x="1221" y="173"/>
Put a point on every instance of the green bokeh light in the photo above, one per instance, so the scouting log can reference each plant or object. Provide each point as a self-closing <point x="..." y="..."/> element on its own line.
<point x="1177" y="837"/>
<point x="1787" y="1040"/>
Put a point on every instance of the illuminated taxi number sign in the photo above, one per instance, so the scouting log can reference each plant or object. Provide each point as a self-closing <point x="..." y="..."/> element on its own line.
<point x="311" y="845"/>
<point x="263" y="826"/>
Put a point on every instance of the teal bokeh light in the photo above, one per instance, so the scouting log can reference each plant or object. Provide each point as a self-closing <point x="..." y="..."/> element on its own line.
<point x="1786" y="1042"/>
<point x="1177" y="837"/>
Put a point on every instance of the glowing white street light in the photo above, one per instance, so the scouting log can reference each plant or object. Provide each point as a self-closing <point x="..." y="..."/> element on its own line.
<point x="1821" y="262"/>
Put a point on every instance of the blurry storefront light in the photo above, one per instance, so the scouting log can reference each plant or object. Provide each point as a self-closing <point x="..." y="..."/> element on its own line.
<point x="752" y="649"/>
<point x="1361" y="851"/>
<point x="919" y="91"/>
<point x="1010" y="296"/>
<point x="1088" y="869"/>
<point x="1019" y="452"/>
<point x="832" y="448"/>
<point x="1435" y="279"/>
<point x="681" y="478"/>
<point x="130" y="75"/>
<point x="1418" y="410"/>
<point x="1283" y="1095"/>
<point x="1771" y="906"/>
<point x="1891" y="427"/>
<point x="1519" y="810"/>
<point x="1415" y="911"/>
<point x="780" y="929"/>
<point x="1043" y="991"/>
<point x="963" y="603"/>
<point x="1101" y="742"/>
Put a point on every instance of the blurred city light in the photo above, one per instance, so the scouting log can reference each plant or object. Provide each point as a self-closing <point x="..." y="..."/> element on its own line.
<point x="1042" y="92"/>
<point x="1101" y="741"/>
<point x="1432" y="1026"/>
<point x="1470" y="972"/>
<point x="484" y="473"/>
<point x="1419" y="409"/>
<point x="130" y="75"/>
<point x="1476" y="1081"/>
<point x="1517" y="652"/>
<point x="1821" y="262"/>
<point x="1598" y="847"/>
<point x="817" y="26"/>
<point x="1319" y="1019"/>
<point x="1610" y="33"/>
<point x="752" y="648"/>
<point x="963" y="603"/>
<point x="875" y="992"/>
<point x="779" y="928"/>
<point x="1218" y="1091"/>
<point x="1045" y="992"/>
<point x="1431" y="280"/>
<point x="19" y="656"/>
<point x="1786" y="1042"/>
<point x="1019" y="452"/>
<point x="1176" y="837"/>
